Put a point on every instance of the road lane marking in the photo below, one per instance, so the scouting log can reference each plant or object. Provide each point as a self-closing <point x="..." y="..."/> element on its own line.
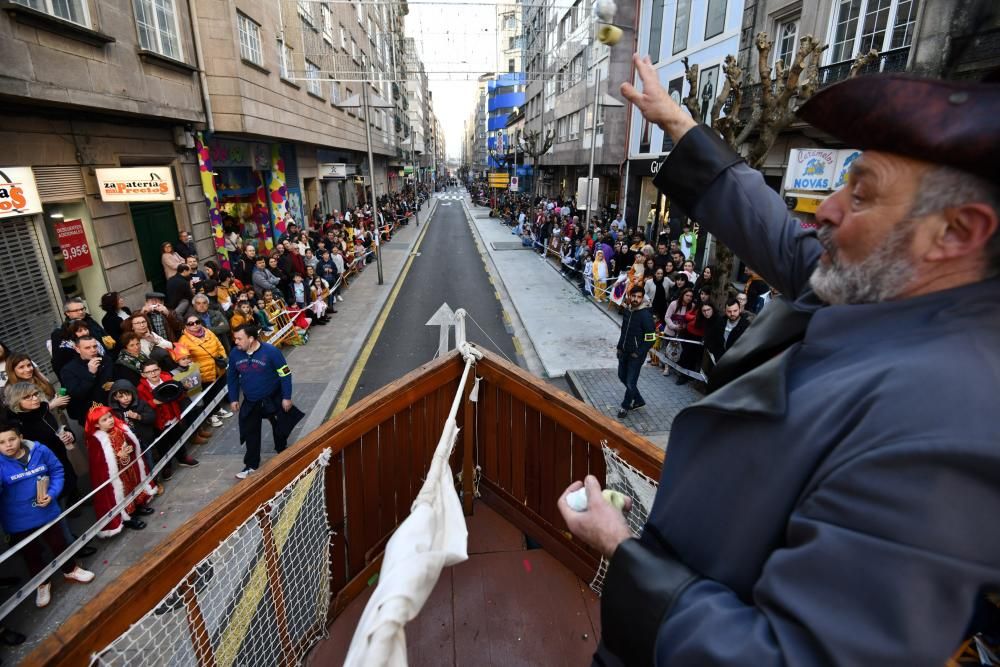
<point x="359" y="365"/>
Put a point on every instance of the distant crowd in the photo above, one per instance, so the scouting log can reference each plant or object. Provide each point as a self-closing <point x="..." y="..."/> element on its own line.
<point x="697" y="318"/>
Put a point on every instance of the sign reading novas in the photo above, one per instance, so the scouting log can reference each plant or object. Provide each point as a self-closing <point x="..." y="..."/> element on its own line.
<point x="136" y="184"/>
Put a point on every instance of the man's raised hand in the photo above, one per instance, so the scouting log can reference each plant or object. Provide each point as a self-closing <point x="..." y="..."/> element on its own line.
<point x="654" y="102"/>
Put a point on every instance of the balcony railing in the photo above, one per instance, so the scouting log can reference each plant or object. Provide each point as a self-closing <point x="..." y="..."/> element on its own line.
<point x="890" y="61"/>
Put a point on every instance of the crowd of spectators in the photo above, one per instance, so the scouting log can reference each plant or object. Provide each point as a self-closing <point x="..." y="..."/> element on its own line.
<point x="610" y="256"/>
<point x="127" y="391"/>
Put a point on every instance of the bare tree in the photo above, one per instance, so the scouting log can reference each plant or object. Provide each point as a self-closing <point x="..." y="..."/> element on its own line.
<point x="774" y="102"/>
<point x="533" y="144"/>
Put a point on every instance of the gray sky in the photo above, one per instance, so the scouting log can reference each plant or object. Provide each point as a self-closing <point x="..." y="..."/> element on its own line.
<point x="457" y="43"/>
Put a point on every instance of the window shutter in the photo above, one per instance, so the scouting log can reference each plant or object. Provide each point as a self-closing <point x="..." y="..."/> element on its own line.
<point x="37" y="313"/>
<point x="59" y="183"/>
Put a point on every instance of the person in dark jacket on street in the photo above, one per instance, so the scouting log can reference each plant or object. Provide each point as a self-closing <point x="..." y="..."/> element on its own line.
<point x="115" y="313"/>
<point x="637" y="337"/>
<point x="728" y="330"/>
<point x="179" y="292"/>
<point x="87" y="378"/>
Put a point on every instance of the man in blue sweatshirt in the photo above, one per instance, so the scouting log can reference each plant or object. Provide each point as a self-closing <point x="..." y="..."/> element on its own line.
<point x="260" y="371"/>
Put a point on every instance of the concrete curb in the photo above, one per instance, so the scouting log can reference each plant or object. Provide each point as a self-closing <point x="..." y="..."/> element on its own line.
<point x="328" y="398"/>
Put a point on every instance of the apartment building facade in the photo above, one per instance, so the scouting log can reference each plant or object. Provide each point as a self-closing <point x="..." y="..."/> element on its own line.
<point x="567" y="71"/>
<point x="232" y="109"/>
<point x="704" y="32"/>
<point x="89" y="85"/>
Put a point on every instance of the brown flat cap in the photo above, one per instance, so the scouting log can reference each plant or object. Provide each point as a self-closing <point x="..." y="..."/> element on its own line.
<point x="951" y="123"/>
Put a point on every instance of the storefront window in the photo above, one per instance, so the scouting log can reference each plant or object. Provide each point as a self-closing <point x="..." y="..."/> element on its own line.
<point x="73" y="247"/>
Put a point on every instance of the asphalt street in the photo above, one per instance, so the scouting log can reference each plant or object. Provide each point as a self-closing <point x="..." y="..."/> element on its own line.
<point x="447" y="269"/>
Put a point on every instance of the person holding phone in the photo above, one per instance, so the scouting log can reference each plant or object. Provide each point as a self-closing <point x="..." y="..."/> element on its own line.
<point x="31" y="478"/>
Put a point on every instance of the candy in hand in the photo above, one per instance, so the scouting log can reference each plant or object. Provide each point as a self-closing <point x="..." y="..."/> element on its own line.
<point x="577" y="500"/>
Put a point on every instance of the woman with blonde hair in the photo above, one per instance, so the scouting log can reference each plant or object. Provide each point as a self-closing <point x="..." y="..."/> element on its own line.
<point x="20" y="368"/>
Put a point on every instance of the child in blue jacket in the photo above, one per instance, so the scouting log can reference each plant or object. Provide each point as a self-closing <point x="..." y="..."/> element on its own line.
<point x="31" y="478"/>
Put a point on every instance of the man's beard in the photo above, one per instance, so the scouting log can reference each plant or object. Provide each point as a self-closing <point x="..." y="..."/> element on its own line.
<point x="881" y="276"/>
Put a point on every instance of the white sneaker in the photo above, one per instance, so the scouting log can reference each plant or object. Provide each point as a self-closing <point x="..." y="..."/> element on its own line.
<point x="340" y="298"/>
<point x="243" y="474"/>
<point x="80" y="575"/>
<point x="43" y="595"/>
<point x="215" y="421"/>
<point x="222" y="412"/>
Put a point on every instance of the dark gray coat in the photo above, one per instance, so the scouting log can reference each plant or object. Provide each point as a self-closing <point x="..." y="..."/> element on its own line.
<point x="831" y="503"/>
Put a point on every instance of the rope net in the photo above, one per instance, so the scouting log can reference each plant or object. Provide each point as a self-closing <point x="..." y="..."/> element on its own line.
<point x="625" y="479"/>
<point x="260" y="598"/>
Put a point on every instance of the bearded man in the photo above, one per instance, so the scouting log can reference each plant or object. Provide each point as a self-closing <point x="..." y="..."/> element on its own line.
<point x="827" y="503"/>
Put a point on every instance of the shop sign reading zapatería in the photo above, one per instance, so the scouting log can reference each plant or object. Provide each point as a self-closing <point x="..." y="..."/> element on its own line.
<point x="18" y="194"/>
<point x="136" y="184"/>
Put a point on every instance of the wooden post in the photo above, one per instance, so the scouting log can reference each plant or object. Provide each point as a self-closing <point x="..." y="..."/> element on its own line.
<point x="201" y="640"/>
<point x="468" y="442"/>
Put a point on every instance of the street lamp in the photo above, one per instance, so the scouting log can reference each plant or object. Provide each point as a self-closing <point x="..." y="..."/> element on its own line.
<point x="361" y="102"/>
<point x="604" y="10"/>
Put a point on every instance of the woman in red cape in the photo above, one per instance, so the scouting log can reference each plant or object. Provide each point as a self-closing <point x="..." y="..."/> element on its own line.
<point x="115" y="455"/>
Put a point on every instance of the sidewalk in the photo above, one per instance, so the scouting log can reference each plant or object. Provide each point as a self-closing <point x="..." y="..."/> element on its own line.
<point x="574" y="336"/>
<point x="318" y="372"/>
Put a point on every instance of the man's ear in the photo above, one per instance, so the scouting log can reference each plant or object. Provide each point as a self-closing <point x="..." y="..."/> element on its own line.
<point x="966" y="231"/>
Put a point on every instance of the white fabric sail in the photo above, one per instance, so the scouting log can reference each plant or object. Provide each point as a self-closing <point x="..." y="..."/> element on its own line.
<point x="433" y="537"/>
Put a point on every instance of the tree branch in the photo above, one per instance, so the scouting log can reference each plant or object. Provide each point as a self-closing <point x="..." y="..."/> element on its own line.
<point x="691" y="101"/>
<point x="862" y="61"/>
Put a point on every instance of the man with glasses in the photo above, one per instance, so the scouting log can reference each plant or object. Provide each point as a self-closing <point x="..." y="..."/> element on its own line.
<point x="74" y="310"/>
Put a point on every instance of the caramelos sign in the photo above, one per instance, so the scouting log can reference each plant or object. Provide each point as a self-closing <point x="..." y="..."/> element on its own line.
<point x="136" y="184"/>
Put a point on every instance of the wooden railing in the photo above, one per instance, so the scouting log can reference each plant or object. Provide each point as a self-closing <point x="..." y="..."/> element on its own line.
<point x="529" y="439"/>
<point x="532" y="441"/>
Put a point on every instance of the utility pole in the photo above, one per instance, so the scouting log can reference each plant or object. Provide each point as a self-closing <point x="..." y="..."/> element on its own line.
<point x="413" y="161"/>
<point x="371" y="183"/>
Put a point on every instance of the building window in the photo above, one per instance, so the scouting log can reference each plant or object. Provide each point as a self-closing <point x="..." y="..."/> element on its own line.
<point x="157" y="24"/>
<point x="306" y="12"/>
<point x="335" y="93"/>
<point x="326" y="17"/>
<point x="510" y="65"/>
<point x="354" y="49"/>
<point x="361" y="12"/>
<point x="846" y="27"/>
<point x="715" y="18"/>
<point x="343" y="38"/>
<point x="655" y="31"/>
<point x="906" y="19"/>
<point x="874" y="26"/>
<point x="74" y="11"/>
<point x="284" y="59"/>
<point x="574" y="125"/>
<point x="250" y="45"/>
<point x="682" y="20"/>
<point x="788" y="36"/>
<point x="313" y="84"/>
<point x="862" y="25"/>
